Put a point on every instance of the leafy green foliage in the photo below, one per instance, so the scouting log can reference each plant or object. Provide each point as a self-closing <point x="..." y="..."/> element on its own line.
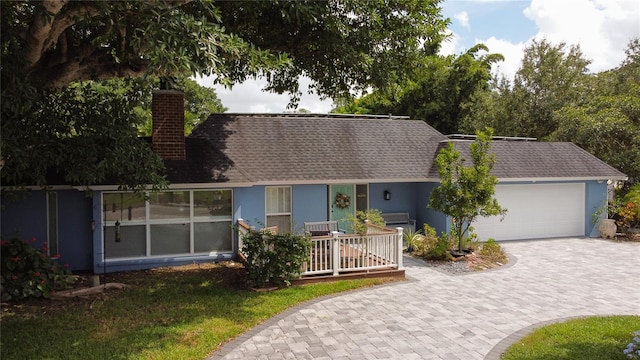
<point x="86" y="132"/>
<point x="553" y="97"/>
<point x="492" y="251"/>
<point x="341" y="45"/>
<point x="439" y="92"/>
<point x="358" y="224"/>
<point x="606" y="126"/>
<point x="29" y="272"/>
<point x="338" y="44"/>
<point x="430" y="246"/>
<point x="466" y="192"/>
<point x="629" y="212"/>
<point x="51" y="46"/>
<point x="274" y="258"/>
<point x="550" y="77"/>
<point x="411" y="237"/>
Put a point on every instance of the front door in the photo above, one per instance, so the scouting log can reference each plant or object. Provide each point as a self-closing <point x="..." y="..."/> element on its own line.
<point x="342" y="204"/>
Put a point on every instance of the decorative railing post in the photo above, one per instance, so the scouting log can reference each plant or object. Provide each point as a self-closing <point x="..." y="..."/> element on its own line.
<point x="335" y="255"/>
<point x="241" y="232"/>
<point x="399" y="247"/>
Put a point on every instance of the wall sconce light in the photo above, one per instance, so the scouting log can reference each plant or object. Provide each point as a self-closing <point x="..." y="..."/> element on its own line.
<point x="117" y="231"/>
<point x="387" y="195"/>
<point x="93" y="225"/>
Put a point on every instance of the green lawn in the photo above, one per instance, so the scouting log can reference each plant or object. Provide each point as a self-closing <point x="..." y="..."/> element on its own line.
<point x="592" y="338"/>
<point x="175" y="315"/>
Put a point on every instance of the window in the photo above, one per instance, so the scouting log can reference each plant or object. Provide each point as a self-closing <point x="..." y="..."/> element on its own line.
<point x="278" y="207"/>
<point x="362" y="197"/>
<point x="168" y="224"/>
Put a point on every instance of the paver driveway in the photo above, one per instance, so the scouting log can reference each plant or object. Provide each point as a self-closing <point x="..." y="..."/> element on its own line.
<point x="439" y="316"/>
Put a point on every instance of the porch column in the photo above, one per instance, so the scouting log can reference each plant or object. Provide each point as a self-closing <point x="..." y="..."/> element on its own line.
<point x="335" y="256"/>
<point x="399" y="247"/>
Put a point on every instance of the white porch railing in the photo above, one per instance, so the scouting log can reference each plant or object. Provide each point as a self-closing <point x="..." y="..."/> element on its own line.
<point x="335" y="254"/>
<point x="339" y="253"/>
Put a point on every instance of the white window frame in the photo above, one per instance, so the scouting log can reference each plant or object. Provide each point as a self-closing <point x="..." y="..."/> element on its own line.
<point x="286" y="213"/>
<point x="191" y="220"/>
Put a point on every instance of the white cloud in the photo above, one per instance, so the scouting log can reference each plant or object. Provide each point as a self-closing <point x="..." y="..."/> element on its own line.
<point x="602" y="28"/>
<point x="463" y="19"/>
<point x="249" y="97"/>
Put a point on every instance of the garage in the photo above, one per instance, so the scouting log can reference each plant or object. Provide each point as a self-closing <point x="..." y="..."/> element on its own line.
<point x="536" y="211"/>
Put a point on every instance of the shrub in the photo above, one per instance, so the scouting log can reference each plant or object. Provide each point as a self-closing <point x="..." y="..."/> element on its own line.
<point x="357" y="221"/>
<point x="492" y="251"/>
<point x="432" y="247"/>
<point x="275" y="258"/>
<point x="30" y="272"/>
<point x="411" y="238"/>
<point x="441" y="249"/>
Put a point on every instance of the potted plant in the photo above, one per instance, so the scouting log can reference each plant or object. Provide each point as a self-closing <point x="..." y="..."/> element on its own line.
<point x="605" y="218"/>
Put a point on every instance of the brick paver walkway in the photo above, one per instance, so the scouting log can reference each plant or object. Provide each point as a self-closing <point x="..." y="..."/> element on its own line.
<point x="439" y="316"/>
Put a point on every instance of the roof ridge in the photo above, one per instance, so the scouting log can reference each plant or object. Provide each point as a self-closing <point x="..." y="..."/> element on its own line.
<point x="319" y="115"/>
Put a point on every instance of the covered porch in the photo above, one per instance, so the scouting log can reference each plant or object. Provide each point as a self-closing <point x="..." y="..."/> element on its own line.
<point x="338" y="255"/>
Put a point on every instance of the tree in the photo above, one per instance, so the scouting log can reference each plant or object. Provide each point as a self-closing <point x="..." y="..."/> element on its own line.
<point x="438" y="93"/>
<point x="550" y="77"/>
<point x="466" y="192"/>
<point x="338" y="44"/>
<point x="491" y="108"/>
<point x="84" y="134"/>
<point x="52" y="45"/>
<point x="607" y="123"/>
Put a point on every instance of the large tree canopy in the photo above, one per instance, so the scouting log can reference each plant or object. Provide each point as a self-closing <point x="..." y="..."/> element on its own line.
<point x="51" y="48"/>
<point x="338" y="44"/>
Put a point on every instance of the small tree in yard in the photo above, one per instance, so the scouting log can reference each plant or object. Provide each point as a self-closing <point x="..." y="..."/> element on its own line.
<point x="466" y="192"/>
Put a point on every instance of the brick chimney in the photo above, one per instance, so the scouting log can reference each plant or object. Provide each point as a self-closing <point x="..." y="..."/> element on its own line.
<point x="167" y="108"/>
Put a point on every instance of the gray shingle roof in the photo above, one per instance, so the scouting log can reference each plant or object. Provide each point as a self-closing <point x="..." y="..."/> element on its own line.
<point x="540" y="160"/>
<point x="308" y="148"/>
<point x="322" y="148"/>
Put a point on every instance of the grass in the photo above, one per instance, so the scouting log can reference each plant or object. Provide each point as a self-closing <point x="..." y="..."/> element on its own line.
<point x="592" y="338"/>
<point x="167" y="314"/>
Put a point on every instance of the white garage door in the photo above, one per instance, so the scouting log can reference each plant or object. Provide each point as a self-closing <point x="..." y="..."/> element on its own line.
<point x="536" y="211"/>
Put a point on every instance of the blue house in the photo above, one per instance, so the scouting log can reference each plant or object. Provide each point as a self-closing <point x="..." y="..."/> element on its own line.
<point x="287" y="169"/>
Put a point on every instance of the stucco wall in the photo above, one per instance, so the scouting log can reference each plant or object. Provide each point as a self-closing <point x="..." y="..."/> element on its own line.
<point x="403" y="197"/>
<point x="309" y="204"/>
<point x="595" y="196"/>
<point x="25" y="217"/>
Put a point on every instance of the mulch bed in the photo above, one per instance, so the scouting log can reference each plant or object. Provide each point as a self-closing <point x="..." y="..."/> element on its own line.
<point x="464" y="264"/>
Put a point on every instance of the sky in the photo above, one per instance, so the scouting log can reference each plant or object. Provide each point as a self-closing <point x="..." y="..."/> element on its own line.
<point x="602" y="28"/>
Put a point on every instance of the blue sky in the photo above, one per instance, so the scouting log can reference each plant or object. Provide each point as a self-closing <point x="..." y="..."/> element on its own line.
<point x="602" y="29"/>
<point x="486" y="19"/>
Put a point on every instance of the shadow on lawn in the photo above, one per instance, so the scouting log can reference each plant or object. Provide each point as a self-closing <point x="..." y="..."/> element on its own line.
<point x="193" y="309"/>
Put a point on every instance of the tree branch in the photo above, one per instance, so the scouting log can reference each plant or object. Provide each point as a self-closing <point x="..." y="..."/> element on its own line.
<point x="40" y="27"/>
<point x="64" y="21"/>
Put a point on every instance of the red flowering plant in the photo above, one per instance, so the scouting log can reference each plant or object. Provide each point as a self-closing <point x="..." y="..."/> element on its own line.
<point x="629" y="214"/>
<point x="29" y="272"/>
